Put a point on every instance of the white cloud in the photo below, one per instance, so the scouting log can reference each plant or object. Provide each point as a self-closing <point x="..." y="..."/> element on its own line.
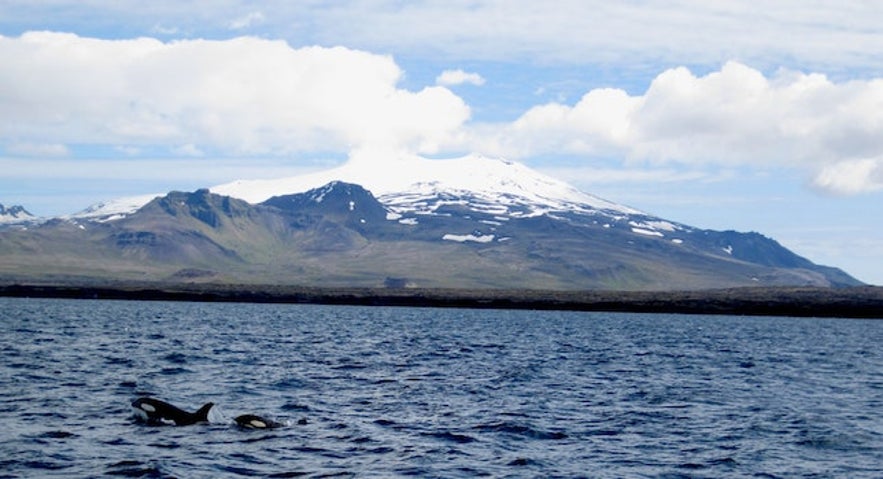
<point x="821" y="32"/>
<point x="159" y="29"/>
<point x="249" y="96"/>
<point x="188" y="150"/>
<point x="37" y="150"/>
<point x="588" y="175"/>
<point x="731" y="117"/>
<point x="128" y="150"/>
<point x="824" y="35"/>
<point x="159" y="172"/>
<point x="851" y="177"/>
<point x="598" y="124"/>
<point x="240" y="96"/>
<point x="458" y="77"/>
<point x="247" y="21"/>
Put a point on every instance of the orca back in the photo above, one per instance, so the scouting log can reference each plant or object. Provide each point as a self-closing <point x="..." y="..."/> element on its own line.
<point x="154" y="411"/>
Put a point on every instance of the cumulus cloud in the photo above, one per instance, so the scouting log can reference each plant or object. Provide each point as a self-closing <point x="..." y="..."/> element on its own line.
<point x="458" y="77"/>
<point x="600" y="123"/>
<point x="250" y="97"/>
<point x="731" y="117"/>
<point x="239" y="96"/>
<point x="851" y="177"/>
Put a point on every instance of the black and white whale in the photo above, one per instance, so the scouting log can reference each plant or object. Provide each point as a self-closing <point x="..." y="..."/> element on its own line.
<point x="154" y="411"/>
<point x="251" y="421"/>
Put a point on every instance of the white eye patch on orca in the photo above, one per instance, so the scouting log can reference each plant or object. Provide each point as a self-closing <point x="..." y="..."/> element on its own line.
<point x="147" y="407"/>
<point x="251" y="421"/>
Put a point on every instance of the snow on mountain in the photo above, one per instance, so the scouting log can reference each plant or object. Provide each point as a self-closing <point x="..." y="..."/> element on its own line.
<point x="412" y="184"/>
<point x="113" y="209"/>
<point x="510" y="219"/>
<point x="15" y="214"/>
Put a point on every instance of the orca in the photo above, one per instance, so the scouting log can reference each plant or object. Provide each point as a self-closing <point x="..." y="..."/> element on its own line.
<point x="154" y="411"/>
<point x="251" y="421"/>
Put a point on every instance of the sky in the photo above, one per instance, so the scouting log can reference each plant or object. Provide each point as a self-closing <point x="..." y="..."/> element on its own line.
<point x="719" y="114"/>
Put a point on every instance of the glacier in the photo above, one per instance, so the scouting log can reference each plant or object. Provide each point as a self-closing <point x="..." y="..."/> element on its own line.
<point x="409" y="185"/>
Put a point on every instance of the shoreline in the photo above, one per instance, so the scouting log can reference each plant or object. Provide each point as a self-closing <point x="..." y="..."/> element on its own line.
<point x="855" y="302"/>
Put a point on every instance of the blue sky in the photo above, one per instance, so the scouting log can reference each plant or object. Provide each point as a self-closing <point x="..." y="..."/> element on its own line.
<point x="723" y="114"/>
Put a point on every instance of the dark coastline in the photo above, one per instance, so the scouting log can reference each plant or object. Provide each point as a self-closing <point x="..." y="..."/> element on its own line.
<point x="855" y="302"/>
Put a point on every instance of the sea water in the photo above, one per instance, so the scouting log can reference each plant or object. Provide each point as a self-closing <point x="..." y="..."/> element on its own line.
<point x="422" y="392"/>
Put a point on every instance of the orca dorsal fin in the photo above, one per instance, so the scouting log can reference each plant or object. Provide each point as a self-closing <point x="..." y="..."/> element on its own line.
<point x="202" y="413"/>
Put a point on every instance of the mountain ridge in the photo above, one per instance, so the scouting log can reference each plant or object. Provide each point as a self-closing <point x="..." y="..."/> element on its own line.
<point x="411" y="179"/>
<point x="15" y="214"/>
<point x="341" y="235"/>
<point x="403" y="172"/>
<point x="477" y="223"/>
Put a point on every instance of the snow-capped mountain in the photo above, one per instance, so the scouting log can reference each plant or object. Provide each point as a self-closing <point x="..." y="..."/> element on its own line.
<point x="113" y="209"/>
<point x="412" y="184"/>
<point x="471" y="222"/>
<point x="15" y="214"/>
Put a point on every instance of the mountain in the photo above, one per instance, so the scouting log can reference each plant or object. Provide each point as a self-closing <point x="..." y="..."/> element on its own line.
<point x="409" y="183"/>
<point x="15" y="214"/>
<point x="467" y="223"/>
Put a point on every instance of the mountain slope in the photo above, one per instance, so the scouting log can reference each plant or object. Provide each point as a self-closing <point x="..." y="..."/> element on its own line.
<point x="15" y="214"/>
<point x="340" y="234"/>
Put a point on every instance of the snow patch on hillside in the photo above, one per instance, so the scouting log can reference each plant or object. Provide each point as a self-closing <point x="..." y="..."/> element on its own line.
<point x="113" y="209"/>
<point x="465" y="238"/>
<point x="644" y="232"/>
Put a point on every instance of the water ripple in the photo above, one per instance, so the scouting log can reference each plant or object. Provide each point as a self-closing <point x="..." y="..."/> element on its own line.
<point x="410" y="392"/>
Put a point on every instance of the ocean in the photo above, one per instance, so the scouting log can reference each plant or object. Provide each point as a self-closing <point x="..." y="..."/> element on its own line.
<point x="381" y="392"/>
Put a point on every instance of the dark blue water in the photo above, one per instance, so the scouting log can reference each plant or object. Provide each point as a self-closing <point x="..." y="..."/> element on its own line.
<point x="394" y="392"/>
